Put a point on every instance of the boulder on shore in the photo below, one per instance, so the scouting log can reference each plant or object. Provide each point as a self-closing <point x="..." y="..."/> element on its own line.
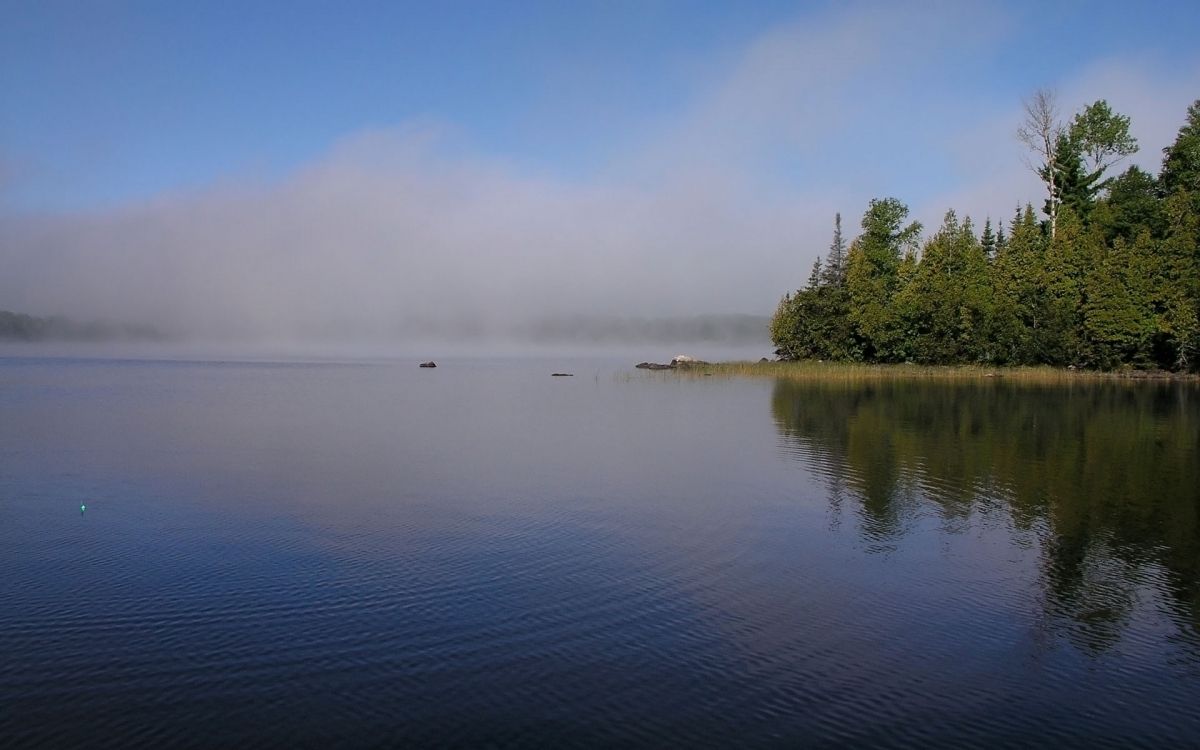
<point x="429" y="364"/>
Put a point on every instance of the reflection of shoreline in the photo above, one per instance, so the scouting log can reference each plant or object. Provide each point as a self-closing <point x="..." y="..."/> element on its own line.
<point x="1107" y="472"/>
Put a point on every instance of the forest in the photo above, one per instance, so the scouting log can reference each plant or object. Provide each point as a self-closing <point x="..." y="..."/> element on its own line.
<point x="1106" y="275"/>
<point x="21" y="327"/>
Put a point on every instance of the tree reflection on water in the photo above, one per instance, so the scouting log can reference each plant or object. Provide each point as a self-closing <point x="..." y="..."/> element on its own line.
<point x="1103" y="478"/>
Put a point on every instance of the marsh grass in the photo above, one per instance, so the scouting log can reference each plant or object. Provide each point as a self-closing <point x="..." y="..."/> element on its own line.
<point x="863" y="373"/>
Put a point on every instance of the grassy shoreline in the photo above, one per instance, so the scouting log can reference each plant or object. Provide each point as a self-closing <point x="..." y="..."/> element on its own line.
<point x="858" y="372"/>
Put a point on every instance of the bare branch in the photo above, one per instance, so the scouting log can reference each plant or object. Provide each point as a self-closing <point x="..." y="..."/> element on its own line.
<point x="1040" y="131"/>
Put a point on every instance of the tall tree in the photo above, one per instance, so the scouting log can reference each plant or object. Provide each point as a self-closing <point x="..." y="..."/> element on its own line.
<point x="1181" y="160"/>
<point x="1073" y="186"/>
<point x="1020" y="313"/>
<point x="1101" y="137"/>
<point x="872" y="274"/>
<point x="835" y="262"/>
<point x="1040" y="131"/>
<point x="1180" y="285"/>
<point x="988" y="239"/>
<point x="947" y="301"/>
<point x="1118" y="320"/>
<point x="1131" y="205"/>
<point x="1072" y="253"/>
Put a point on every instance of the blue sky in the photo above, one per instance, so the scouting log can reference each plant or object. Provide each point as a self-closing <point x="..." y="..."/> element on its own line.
<point x="687" y="139"/>
<point x="107" y="101"/>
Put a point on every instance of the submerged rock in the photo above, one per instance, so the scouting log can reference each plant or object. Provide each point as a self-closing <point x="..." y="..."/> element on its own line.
<point x="429" y="364"/>
<point x="562" y="374"/>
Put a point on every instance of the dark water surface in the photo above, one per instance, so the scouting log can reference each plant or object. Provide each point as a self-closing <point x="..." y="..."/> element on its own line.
<point x="372" y="555"/>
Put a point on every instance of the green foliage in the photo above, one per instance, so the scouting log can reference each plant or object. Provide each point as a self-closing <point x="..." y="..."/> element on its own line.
<point x="1132" y="204"/>
<point x="1019" y="301"/>
<point x="1101" y="136"/>
<point x="814" y="323"/>
<point x="1181" y="160"/>
<point x="947" y="301"/>
<point x="873" y="277"/>
<point x="1115" y="284"/>
<point x="1073" y="187"/>
<point x="1118" y="318"/>
<point x="988" y="239"/>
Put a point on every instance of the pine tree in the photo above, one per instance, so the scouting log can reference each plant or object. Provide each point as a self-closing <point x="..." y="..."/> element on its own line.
<point x="1073" y="186"/>
<point x="1179" y="287"/>
<point x="947" y="305"/>
<point x="835" y="263"/>
<point x="1181" y="160"/>
<point x="1131" y="206"/>
<point x="988" y="239"/>
<point x="1021" y="307"/>
<point x="814" y="277"/>
<point x="872" y="279"/>
<point x="1118" y="320"/>
<point x="1072" y="253"/>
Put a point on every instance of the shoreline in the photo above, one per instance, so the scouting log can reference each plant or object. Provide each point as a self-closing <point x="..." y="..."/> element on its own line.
<point x="807" y="370"/>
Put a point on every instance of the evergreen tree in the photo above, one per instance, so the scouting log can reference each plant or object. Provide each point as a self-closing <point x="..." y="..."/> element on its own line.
<point x="1073" y="186"/>
<point x="1021" y="305"/>
<point x="1179" y="287"/>
<point x="835" y="263"/>
<point x="1131" y="205"/>
<point x="1117" y="315"/>
<point x="947" y="304"/>
<point x="1181" y="160"/>
<point x="988" y="239"/>
<point x="1001" y="239"/>
<point x="872" y="278"/>
<point x="1071" y="254"/>
<point x="814" y="277"/>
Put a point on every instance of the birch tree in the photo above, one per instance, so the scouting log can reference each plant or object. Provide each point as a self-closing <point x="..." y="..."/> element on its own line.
<point x="1040" y="131"/>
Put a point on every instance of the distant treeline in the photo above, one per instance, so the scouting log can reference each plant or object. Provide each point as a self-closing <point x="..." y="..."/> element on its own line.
<point x="20" y="327"/>
<point x="1110" y="278"/>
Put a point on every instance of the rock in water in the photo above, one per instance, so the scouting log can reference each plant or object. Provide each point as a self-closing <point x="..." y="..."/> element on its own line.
<point x="429" y="364"/>
<point x="562" y="374"/>
<point x="653" y="366"/>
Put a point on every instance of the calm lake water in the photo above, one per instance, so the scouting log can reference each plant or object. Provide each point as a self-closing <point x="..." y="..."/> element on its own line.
<point x="367" y="554"/>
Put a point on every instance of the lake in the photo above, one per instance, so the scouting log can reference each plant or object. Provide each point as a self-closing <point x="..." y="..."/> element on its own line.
<point x="367" y="554"/>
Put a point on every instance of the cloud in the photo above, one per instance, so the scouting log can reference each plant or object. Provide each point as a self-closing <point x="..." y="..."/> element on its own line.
<point x="719" y="207"/>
